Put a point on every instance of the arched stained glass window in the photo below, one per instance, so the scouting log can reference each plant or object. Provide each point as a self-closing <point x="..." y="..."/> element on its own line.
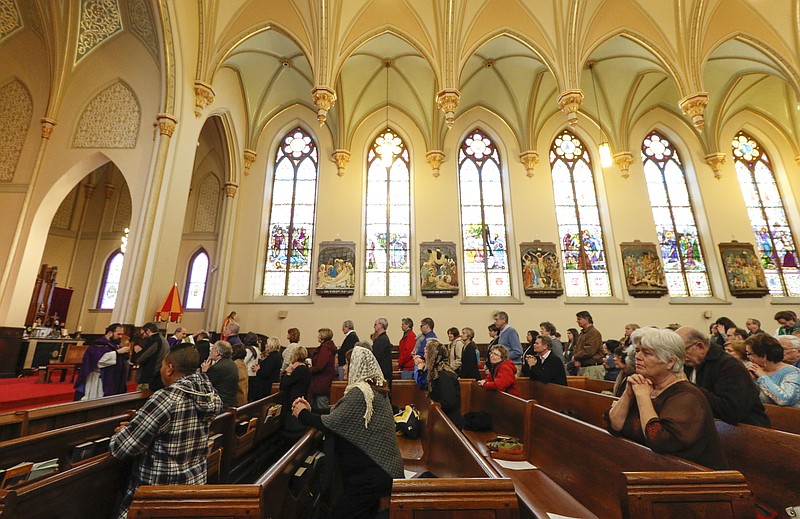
<point x="388" y="229"/>
<point x="110" y="285"/>
<point x="582" y="244"/>
<point x="291" y="222"/>
<point x="774" y="239"/>
<point x="684" y="265"/>
<point x="196" y="281"/>
<point x="483" y="220"/>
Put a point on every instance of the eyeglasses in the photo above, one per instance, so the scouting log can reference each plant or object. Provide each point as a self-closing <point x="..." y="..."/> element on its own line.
<point x="495" y="353"/>
<point x="751" y="354"/>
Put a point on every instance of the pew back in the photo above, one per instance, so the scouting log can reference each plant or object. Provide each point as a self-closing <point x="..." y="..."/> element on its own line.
<point x="785" y="419"/>
<point x="586" y="406"/>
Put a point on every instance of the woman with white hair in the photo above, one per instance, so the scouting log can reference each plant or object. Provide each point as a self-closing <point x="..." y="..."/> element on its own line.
<point x="363" y="429"/>
<point x="661" y="409"/>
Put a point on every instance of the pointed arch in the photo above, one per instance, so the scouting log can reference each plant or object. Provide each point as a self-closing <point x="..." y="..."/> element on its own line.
<point x="678" y="237"/>
<point x="388" y="217"/>
<point x="774" y="238"/>
<point x="196" y="280"/>
<point x="578" y="216"/>
<point x="484" y="229"/>
<point x="292" y="216"/>
<point x="109" y="283"/>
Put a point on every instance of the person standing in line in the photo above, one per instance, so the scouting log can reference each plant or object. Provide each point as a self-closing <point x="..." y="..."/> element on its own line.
<point x="382" y="349"/>
<point x="149" y="358"/>
<point x="293" y="336"/>
<point x="323" y="369"/>
<point x="470" y="357"/>
<point x="588" y="355"/>
<point x="104" y="367"/>
<point x="349" y="341"/>
<point x="222" y="372"/>
<point x="509" y="338"/>
<point x="223" y="335"/>
<point x="405" y="360"/>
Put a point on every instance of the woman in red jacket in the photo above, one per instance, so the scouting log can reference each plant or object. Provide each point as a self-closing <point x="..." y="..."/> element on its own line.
<point x="406" y="349"/>
<point x="323" y="370"/>
<point x="503" y="376"/>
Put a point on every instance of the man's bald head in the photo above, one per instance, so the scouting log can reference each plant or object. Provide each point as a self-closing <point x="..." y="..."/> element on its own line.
<point x="696" y="344"/>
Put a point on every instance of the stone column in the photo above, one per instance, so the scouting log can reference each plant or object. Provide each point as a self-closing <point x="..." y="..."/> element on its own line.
<point x="216" y="308"/>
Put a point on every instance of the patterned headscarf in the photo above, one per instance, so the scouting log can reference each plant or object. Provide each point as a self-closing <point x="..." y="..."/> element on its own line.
<point x="362" y="369"/>
<point x="437" y="359"/>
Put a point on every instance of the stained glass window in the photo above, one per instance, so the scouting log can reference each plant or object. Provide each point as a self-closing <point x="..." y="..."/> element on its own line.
<point x="483" y="220"/>
<point x="111" y="276"/>
<point x="196" y="280"/>
<point x="774" y="239"/>
<point x="388" y="230"/>
<point x="291" y="223"/>
<point x="684" y="265"/>
<point x="579" y="228"/>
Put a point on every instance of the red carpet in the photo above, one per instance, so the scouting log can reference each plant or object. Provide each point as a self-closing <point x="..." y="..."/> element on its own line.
<point x="25" y="393"/>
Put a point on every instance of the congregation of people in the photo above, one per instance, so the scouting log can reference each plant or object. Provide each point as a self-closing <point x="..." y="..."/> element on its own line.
<point x="672" y="383"/>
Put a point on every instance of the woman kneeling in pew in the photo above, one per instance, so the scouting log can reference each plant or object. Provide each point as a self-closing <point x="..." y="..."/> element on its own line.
<point x="503" y="373"/>
<point x="364" y="433"/>
<point x="661" y="409"/>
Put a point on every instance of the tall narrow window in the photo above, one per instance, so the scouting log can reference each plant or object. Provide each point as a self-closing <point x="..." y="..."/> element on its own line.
<point x="483" y="220"/>
<point x="582" y="244"/>
<point x="196" y="280"/>
<point x="684" y="266"/>
<point x="291" y="223"/>
<point x="111" y="276"/>
<point x="774" y="239"/>
<point x="388" y="271"/>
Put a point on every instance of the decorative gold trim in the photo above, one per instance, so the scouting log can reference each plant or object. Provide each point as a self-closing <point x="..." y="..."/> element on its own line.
<point x="529" y="159"/>
<point x="624" y="159"/>
<point x="166" y="124"/>
<point x="570" y="102"/>
<point x="249" y="158"/>
<point x="695" y="106"/>
<point x="716" y="160"/>
<point x="324" y="99"/>
<point x="203" y="97"/>
<point x="230" y="189"/>
<point x="435" y="159"/>
<point x="447" y="100"/>
<point x="340" y="158"/>
<point x="47" y="127"/>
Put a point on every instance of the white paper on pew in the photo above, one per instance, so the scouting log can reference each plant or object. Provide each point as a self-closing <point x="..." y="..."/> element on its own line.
<point x="556" y="516"/>
<point x="515" y="465"/>
<point x="409" y="474"/>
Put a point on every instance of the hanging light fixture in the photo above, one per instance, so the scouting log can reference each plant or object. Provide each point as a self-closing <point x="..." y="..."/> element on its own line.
<point x="604" y="148"/>
<point x="386" y="145"/>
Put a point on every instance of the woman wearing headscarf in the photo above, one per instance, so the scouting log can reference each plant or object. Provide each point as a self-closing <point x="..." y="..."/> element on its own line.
<point x="443" y="386"/>
<point x="363" y="429"/>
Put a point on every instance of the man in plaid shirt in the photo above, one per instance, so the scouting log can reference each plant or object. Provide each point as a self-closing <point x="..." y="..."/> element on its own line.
<point x="169" y="434"/>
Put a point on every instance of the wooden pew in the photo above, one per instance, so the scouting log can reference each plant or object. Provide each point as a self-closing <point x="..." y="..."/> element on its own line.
<point x="91" y="489"/>
<point x="269" y="497"/>
<point x="51" y="417"/>
<point x="785" y="419"/>
<point x="586" y="406"/>
<point x="570" y="454"/>
<point x="252" y="449"/>
<point x="769" y="461"/>
<point x="589" y="384"/>
<point x="58" y="443"/>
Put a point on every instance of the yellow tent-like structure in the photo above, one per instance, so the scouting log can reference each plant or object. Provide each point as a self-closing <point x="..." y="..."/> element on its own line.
<point x="171" y="309"/>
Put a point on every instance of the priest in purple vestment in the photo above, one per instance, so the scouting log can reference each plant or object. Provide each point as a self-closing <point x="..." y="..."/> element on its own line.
<point x="104" y="367"/>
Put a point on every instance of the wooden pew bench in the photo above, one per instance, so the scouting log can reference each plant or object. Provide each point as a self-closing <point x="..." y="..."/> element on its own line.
<point x="785" y="419"/>
<point x="769" y="461"/>
<point x="586" y="406"/>
<point x="254" y="448"/>
<point x="58" y="443"/>
<point x="55" y="416"/>
<point x="272" y="495"/>
<point x="570" y="454"/>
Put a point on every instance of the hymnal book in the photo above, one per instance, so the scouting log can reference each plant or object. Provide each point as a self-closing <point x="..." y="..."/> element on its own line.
<point x="101" y="445"/>
<point x="273" y="411"/>
<point x="16" y="474"/>
<point x="252" y="424"/>
<point x="82" y="451"/>
<point x="43" y="468"/>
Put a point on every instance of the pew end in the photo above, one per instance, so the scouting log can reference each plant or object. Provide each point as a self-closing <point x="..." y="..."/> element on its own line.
<point x="163" y="502"/>
<point x="453" y="498"/>
<point x="721" y="494"/>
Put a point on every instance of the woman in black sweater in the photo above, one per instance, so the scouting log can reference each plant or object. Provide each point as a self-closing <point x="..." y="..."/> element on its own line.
<point x="469" y="357"/>
<point x="295" y="384"/>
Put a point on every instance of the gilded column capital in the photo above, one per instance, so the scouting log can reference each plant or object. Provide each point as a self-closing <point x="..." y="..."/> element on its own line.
<point x="695" y="106"/>
<point x="340" y="158"/>
<point x="249" y="158"/>
<point x="230" y="189"/>
<point x="529" y="159"/>
<point x="435" y="159"/>
<point x="109" y="190"/>
<point x="47" y="127"/>
<point x="624" y="159"/>
<point x="324" y="98"/>
<point x="716" y="160"/>
<point x="88" y="189"/>
<point x="570" y="102"/>
<point x="447" y="100"/>
<point x="166" y="124"/>
<point x="203" y="96"/>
